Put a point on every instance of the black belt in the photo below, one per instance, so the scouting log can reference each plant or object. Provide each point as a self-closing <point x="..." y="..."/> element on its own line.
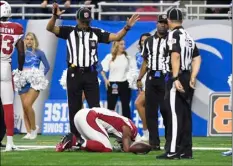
<point x="83" y="69"/>
<point x="180" y="72"/>
<point x="184" y="71"/>
<point x="156" y="73"/>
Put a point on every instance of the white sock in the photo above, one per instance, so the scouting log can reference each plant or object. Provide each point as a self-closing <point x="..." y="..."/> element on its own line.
<point x="9" y="140"/>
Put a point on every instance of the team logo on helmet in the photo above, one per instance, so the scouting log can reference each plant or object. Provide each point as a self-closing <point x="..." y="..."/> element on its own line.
<point x="86" y="15"/>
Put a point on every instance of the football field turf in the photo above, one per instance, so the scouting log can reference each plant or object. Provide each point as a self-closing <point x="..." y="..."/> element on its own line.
<point x="41" y="152"/>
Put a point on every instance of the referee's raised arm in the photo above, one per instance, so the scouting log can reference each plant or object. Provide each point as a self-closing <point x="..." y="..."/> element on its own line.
<point x="130" y="22"/>
<point x="82" y="57"/>
<point x="51" y="24"/>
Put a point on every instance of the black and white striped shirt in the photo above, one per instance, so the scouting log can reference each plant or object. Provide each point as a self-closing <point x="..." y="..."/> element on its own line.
<point x="82" y="45"/>
<point x="151" y="52"/>
<point x="180" y="41"/>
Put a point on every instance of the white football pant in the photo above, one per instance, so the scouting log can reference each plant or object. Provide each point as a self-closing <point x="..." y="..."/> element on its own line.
<point x="7" y="93"/>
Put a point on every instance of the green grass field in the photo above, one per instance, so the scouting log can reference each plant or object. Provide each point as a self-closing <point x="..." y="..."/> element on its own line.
<point x="47" y="156"/>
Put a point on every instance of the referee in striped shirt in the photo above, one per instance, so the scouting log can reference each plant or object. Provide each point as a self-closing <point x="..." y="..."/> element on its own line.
<point x="153" y="64"/>
<point x="185" y="64"/>
<point x="82" y="41"/>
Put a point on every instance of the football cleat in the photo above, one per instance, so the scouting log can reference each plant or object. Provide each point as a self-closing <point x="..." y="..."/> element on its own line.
<point x="227" y="153"/>
<point x="66" y="143"/>
<point x="10" y="147"/>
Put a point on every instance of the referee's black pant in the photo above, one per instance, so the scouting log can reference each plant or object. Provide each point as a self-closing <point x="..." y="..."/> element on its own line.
<point x="2" y="122"/>
<point x="179" y="134"/>
<point x="154" y="96"/>
<point x="79" y="80"/>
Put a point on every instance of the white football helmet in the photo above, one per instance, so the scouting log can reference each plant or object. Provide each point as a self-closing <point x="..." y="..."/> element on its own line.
<point x="5" y="9"/>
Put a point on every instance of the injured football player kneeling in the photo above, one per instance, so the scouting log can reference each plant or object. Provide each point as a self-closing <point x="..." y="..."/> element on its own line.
<point x="95" y="125"/>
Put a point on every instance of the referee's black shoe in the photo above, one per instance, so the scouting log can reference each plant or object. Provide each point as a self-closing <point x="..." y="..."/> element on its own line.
<point x="168" y="156"/>
<point x="186" y="156"/>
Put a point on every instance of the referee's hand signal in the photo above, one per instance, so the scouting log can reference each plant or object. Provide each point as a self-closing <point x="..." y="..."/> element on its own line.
<point x="56" y="10"/>
<point x="132" y="20"/>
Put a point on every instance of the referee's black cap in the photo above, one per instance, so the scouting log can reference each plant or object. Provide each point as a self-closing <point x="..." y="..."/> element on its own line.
<point x="174" y="14"/>
<point x="162" y="18"/>
<point x="83" y="14"/>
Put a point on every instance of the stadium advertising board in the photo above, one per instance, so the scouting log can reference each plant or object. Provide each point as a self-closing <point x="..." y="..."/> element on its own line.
<point x="220" y="119"/>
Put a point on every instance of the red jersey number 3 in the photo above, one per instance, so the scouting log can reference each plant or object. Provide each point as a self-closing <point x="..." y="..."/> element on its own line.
<point x="8" y="48"/>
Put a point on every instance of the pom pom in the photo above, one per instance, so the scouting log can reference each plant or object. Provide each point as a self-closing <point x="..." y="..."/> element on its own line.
<point x="19" y="79"/>
<point x="132" y="77"/>
<point x="63" y="79"/>
<point x="230" y="80"/>
<point x="37" y="79"/>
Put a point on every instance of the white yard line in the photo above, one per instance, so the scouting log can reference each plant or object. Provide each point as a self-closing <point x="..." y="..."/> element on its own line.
<point x="35" y="146"/>
<point x="210" y="148"/>
<point x="38" y="147"/>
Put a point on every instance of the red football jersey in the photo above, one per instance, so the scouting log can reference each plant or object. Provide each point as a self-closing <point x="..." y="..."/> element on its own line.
<point x="113" y="122"/>
<point x="10" y="33"/>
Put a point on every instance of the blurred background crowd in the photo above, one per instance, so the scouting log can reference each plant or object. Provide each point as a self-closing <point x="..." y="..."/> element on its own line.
<point x="45" y="9"/>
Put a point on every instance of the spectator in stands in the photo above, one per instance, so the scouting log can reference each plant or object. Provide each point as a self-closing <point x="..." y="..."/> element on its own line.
<point x="45" y="3"/>
<point x="148" y="9"/>
<point x="118" y="64"/>
<point x="217" y="10"/>
<point x="67" y="4"/>
<point x="28" y="9"/>
<point x="19" y="9"/>
<point x="92" y="2"/>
